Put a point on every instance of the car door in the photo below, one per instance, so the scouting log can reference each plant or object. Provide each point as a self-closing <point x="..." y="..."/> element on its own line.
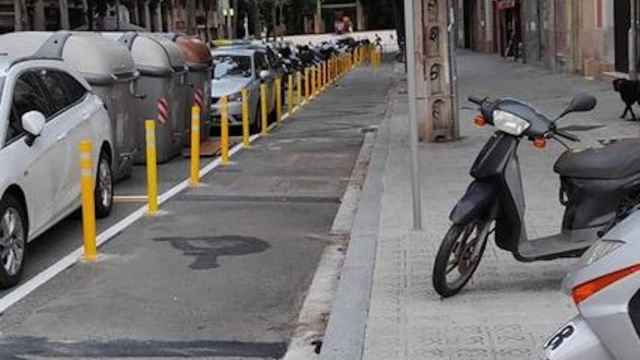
<point x="33" y="166"/>
<point x="71" y="123"/>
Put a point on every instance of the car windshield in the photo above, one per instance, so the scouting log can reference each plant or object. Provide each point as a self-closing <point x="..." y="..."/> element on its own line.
<point x="231" y="65"/>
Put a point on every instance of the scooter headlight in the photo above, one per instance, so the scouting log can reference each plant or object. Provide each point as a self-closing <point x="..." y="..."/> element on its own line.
<point x="509" y="123"/>
<point x="598" y="250"/>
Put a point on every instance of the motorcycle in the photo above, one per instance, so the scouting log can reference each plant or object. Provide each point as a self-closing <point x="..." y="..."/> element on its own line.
<point x="605" y="286"/>
<point x="598" y="188"/>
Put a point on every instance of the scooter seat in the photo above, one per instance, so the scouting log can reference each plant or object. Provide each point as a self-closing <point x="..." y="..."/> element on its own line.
<point x="616" y="160"/>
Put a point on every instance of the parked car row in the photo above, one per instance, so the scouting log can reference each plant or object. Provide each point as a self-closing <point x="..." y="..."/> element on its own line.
<point x="58" y="88"/>
<point x="245" y="64"/>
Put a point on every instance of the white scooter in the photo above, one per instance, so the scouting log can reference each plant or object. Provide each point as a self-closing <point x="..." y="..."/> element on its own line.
<point x="605" y="286"/>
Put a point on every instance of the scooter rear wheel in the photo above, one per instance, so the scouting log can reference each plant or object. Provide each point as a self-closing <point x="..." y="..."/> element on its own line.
<point x="459" y="256"/>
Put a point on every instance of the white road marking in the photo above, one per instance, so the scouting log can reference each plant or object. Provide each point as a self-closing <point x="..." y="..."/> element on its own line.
<point x="47" y="274"/>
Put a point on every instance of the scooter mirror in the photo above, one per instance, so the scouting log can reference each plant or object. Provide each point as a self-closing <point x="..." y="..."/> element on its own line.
<point x="580" y="103"/>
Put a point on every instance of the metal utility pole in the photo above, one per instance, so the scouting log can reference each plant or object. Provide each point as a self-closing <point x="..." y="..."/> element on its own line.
<point x="410" y="41"/>
<point x="453" y="68"/>
<point x="633" y="53"/>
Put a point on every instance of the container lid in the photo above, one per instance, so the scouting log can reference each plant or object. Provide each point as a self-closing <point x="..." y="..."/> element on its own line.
<point x="195" y="51"/>
<point x="153" y="55"/>
<point x="96" y="58"/>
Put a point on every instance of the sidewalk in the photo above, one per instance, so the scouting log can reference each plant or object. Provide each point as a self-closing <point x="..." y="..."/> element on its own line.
<point x="509" y="308"/>
<point x="223" y="273"/>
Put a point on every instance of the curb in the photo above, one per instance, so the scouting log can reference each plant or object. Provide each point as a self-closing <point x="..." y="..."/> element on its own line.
<point x="343" y="221"/>
<point x="345" y="335"/>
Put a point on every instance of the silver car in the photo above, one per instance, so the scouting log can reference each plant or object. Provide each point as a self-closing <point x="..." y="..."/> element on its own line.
<point x="235" y="68"/>
<point x="605" y="286"/>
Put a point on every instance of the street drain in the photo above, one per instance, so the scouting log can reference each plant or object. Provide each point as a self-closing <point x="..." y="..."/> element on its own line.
<point x="260" y="198"/>
<point x="206" y="250"/>
<point x="19" y="347"/>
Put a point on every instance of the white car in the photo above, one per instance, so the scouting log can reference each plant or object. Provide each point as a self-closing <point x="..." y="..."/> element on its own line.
<point x="46" y="109"/>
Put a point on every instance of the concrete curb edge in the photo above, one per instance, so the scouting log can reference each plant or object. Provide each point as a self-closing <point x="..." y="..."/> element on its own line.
<point x="345" y="334"/>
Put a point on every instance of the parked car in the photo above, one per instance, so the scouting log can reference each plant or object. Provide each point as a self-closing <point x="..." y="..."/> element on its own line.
<point x="235" y="68"/>
<point x="46" y="109"/>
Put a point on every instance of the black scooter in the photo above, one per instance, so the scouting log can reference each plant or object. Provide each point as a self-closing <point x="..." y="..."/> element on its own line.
<point x="599" y="187"/>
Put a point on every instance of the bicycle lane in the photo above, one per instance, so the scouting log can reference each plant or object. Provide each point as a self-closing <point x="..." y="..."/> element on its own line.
<point x="224" y="271"/>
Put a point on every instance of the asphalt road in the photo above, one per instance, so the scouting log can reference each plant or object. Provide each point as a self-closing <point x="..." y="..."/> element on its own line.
<point x="224" y="272"/>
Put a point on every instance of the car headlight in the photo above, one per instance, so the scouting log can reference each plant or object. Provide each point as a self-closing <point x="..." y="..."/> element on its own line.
<point x="235" y="97"/>
<point x="509" y="123"/>
<point x="598" y="250"/>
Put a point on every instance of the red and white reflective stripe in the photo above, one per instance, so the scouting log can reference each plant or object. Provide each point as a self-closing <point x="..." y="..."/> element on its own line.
<point x="163" y="111"/>
<point x="198" y="98"/>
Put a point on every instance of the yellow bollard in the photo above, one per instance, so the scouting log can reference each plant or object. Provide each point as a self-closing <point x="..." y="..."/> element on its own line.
<point x="323" y="75"/>
<point x="306" y="84"/>
<point x="245" y="118"/>
<point x="88" y="202"/>
<point x="152" y="167"/>
<point x="313" y="81"/>
<point x="330" y="75"/>
<point x="319" y="78"/>
<point x="263" y="104"/>
<point x="299" y="87"/>
<point x="224" y="130"/>
<point x="195" y="145"/>
<point x="278" y="100"/>
<point x="325" y="79"/>
<point x="290" y="95"/>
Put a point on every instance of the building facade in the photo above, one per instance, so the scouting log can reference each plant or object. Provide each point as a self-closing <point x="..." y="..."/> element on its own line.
<point x="588" y="37"/>
<point x="156" y="15"/>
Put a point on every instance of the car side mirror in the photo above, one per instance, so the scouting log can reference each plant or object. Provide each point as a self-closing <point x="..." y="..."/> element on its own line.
<point x="265" y="74"/>
<point x="33" y="123"/>
<point x="580" y="103"/>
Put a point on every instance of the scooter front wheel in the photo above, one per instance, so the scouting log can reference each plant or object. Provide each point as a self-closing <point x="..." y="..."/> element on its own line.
<point x="459" y="256"/>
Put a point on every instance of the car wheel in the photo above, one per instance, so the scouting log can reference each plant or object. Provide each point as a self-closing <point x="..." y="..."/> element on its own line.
<point x="103" y="194"/>
<point x="13" y="240"/>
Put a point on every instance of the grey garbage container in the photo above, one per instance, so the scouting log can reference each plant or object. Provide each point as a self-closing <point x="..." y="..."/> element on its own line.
<point x="163" y="78"/>
<point x="109" y="69"/>
<point x="199" y="62"/>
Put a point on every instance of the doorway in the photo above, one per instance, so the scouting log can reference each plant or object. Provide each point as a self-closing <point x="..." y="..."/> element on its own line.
<point x="468" y="23"/>
<point x="622" y="14"/>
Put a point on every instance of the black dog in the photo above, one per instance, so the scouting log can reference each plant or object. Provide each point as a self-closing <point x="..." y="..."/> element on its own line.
<point x="629" y="93"/>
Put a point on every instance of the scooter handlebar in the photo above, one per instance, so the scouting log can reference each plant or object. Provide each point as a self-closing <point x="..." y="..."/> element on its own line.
<point x="566" y="135"/>
<point x="476" y="100"/>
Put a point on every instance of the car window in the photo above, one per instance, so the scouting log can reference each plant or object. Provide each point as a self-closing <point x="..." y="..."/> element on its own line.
<point x="231" y="65"/>
<point x="28" y="95"/>
<point x="75" y="89"/>
<point x="63" y="89"/>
